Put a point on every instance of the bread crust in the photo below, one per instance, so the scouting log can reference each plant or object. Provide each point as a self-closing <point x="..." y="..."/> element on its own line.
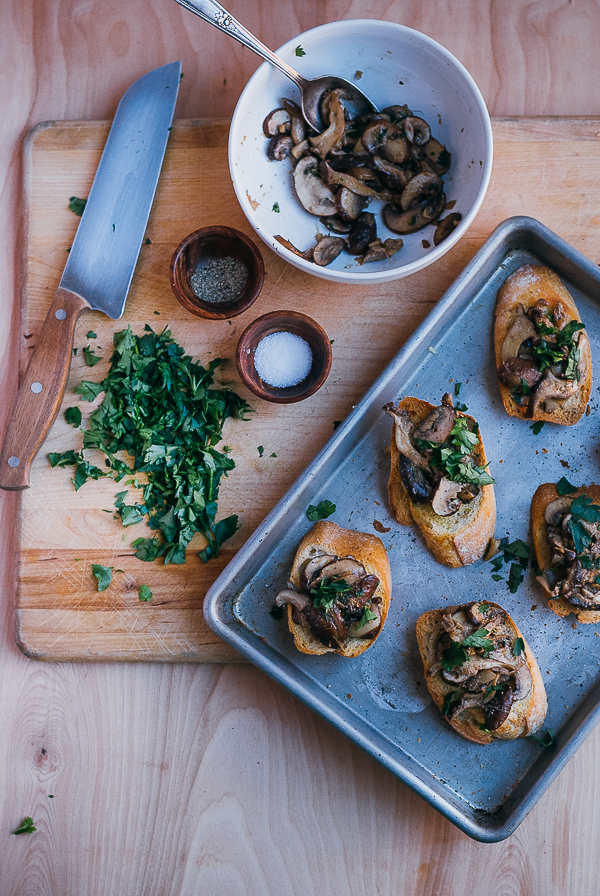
<point x="544" y="495"/>
<point x="526" y="286"/>
<point x="526" y="716"/>
<point x="367" y="549"/>
<point x="457" y="540"/>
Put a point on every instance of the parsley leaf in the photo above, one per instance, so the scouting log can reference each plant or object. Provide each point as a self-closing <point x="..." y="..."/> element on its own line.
<point x="90" y="358"/>
<point x="103" y="575"/>
<point x="26" y="826"/>
<point x="260" y="450"/>
<point x="454" y="655"/>
<point x="478" y="639"/>
<point x="322" y="510"/>
<point x="518" y="647"/>
<point x="299" y="51"/>
<point x="450" y="698"/>
<point x="73" y="416"/>
<point x="91" y="335"/>
<point x="276" y="612"/>
<point x="77" y="205"/>
<point x="276" y="207"/>
<point x="564" y="487"/>
<point x="545" y="743"/>
<point x="367" y="616"/>
<point x="583" y="508"/>
<point x="144" y="593"/>
<point x="515" y="577"/>
<point x="537" y="427"/>
<point x="328" y="593"/>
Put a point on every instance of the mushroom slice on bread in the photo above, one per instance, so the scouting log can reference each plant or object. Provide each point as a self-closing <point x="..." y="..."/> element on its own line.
<point x="543" y="357"/>
<point x="566" y="535"/>
<point x="439" y="479"/>
<point x="481" y="673"/>
<point x="339" y="591"/>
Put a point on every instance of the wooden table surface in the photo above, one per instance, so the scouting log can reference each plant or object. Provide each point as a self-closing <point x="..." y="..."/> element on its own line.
<point x="173" y="780"/>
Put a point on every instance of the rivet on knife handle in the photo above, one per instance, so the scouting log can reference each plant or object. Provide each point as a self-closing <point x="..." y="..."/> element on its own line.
<point x="40" y="394"/>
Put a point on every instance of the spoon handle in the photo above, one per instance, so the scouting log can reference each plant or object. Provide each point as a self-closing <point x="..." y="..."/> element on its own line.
<point x="213" y="13"/>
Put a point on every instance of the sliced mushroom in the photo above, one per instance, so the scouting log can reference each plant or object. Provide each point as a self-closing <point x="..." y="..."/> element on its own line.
<point x="315" y="565"/>
<point x="520" y="330"/>
<point x="556" y="509"/>
<point x="343" y="179"/>
<point x="437" y="156"/>
<point x="523" y="682"/>
<point x="417" y="130"/>
<point x="402" y="434"/>
<point x="316" y="196"/>
<point x="474" y="665"/>
<point x="412" y="220"/>
<point x="349" y="204"/>
<point x="300" y="149"/>
<point x="287" y="596"/>
<point x="396" y="112"/>
<point x="280" y="147"/>
<point x="297" y="122"/>
<point x="445" y="501"/>
<point x="327" y="250"/>
<point x="379" y="251"/>
<point x="414" y="480"/>
<point x="332" y="137"/>
<point x="338" y="569"/>
<point x="467" y="701"/>
<point x="498" y="708"/>
<point x="356" y="630"/>
<point x="362" y="233"/>
<point x="481" y="681"/>
<point x="335" y="224"/>
<point x="379" y="134"/>
<point x="551" y="387"/>
<point x="437" y="425"/>
<point x="422" y="189"/>
<point x="515" y="371"/>
<point x="329" y="627"/>
<point x="394" y="177"/>
<point x="445" y="227"/>
<point x="277" y="122"/>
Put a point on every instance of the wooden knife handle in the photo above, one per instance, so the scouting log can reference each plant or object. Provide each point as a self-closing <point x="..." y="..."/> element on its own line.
<point x="40" y="394"/>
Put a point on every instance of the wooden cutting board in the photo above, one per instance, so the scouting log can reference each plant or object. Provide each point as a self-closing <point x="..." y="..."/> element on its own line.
<point x="546" y="168"/>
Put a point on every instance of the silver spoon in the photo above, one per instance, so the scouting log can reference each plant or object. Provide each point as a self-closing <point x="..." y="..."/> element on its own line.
<point x="311" y="91"/>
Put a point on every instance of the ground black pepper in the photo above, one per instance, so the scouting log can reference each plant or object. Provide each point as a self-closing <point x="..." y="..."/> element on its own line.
<point x="219" y="280"/>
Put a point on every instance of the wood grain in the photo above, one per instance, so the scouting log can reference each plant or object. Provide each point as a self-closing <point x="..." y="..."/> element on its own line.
<point x="173" y="780"/>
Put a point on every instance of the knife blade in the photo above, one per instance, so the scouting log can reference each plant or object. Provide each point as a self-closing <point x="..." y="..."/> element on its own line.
<point x="101" y="262"/>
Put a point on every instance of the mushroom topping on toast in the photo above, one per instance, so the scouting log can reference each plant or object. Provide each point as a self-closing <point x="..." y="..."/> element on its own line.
<point x="480" y="672"/>
<point x="542" y="351"/>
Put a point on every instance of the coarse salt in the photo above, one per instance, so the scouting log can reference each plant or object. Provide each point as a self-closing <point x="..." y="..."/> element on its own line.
<point x="283" y="359"/>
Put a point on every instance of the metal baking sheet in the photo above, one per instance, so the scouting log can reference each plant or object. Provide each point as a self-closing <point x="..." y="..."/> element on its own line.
<point x="380" y="700"/>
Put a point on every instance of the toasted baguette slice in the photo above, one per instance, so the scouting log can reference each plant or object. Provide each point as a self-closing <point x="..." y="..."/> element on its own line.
<point x="456" y="540"/>
<point x="526" y="286"/>
<point x="544" y="496"/>
<point x="369" y="550"/>
<point x="526" y="716"/>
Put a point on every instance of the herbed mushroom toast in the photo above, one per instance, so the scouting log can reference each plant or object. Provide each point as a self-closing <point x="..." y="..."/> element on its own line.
<point x="481" y="673"/>
<point x="543" y="357"/>
<point x="389" y="156"/>
<point x="439" y="479"/>
<point x="339" y="591"/>
<point x="566" y="532"/>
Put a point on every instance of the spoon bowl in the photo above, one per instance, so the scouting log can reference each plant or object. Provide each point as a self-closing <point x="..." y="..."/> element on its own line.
<point x="311" y="91"/>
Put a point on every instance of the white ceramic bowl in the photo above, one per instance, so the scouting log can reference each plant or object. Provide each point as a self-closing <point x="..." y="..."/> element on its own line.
<point x="392" y="64"/>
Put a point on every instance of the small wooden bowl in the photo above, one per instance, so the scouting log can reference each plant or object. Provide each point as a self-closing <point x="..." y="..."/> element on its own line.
<point x="216" y="242"/>
<point x="284" y="322"/>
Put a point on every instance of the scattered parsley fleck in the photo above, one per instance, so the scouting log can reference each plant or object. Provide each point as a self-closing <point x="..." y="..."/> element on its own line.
<point x="273" y="455"/>
<point x="91" y="335"/>
<point x="73" y="416"/>
<point x="26" y="826"/>
<point x="75" y="351"/>
<point x="276" y="207"/>
<point x="336" y="423"/>
<point x="144" y="593"/>
<point x="299" y="51"/>
<point x="103" y="575"/>
<point x="537" y="427"/>
<point x="321" y="511"/>
<point x="147" y="242"/>
<point x="457" y="387"/>
<point x="77" y="205"/>
<point x="450" y="698"/>
<point x="276" y="612"/>
<point x="260" y="450"/>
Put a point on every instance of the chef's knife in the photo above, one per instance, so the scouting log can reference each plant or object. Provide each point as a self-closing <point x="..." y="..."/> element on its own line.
<point x="101" y="261"/>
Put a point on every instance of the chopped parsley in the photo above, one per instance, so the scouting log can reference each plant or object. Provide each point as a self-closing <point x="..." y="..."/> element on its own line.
<point x="479" y="639"/>
<point x="276" y="207"/>
<point x="454" y="455"/>
<point x="367" y="616"/>
<point x="91" y="335"/>
<point x="518" y="647"/>
<point x="582" y="509"/>
<point x="326" y="594"/>
<point x="144" y="593"/>
<point x="517" y="554"/>
<point x="321" y="511"/>
<point x="299" y="51"/>
<point x="26" y="826"/>
<point x="77" y="205"/>
<point x="450" y="699"/>
<point x="537" y="427"/>
<point x="90" y="358"/>
<point x="73" y="416"/>
<point x="276" y="612"/>
<point x="456" y="654"/>
<point x="547" y="742"/>
<point x="564" y="487"/>
<point x="163" y="411"/>
<point x="260" y="450"/>
<point x="103" y="575"/>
